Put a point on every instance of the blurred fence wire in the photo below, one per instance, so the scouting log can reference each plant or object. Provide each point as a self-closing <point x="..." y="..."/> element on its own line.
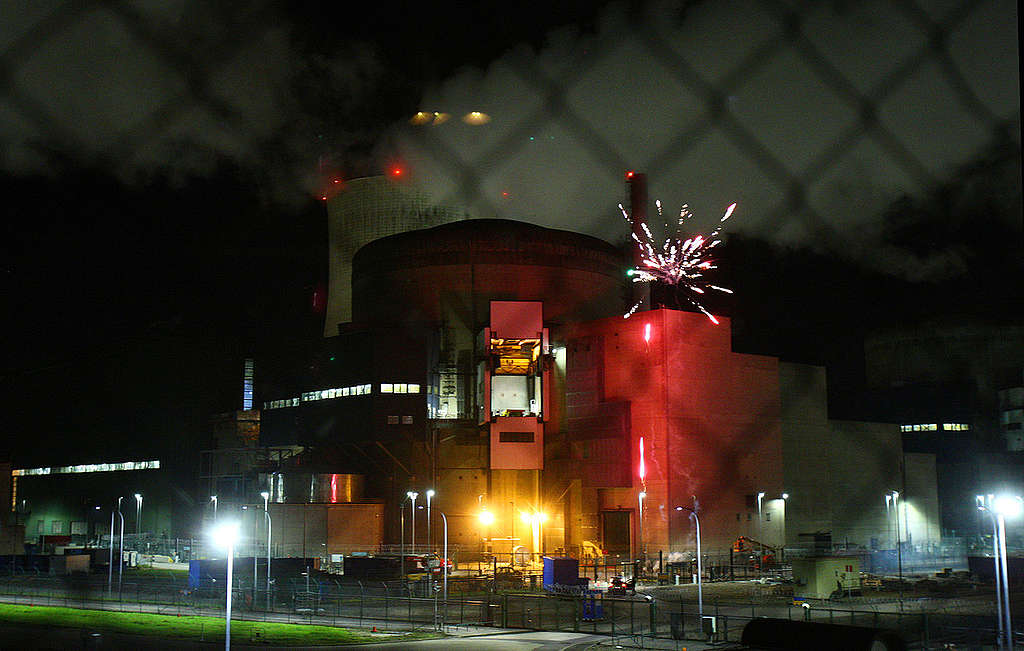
<point x="44" y="41"/>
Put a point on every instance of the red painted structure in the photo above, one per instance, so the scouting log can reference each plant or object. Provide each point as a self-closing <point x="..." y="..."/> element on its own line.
<point x="710" y="419"/>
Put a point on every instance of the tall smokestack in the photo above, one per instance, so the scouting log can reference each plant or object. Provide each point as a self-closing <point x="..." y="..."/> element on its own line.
<point x="638" y="212"/>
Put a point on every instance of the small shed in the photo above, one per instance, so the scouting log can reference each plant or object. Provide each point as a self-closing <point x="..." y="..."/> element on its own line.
<point x="818" y="577"/>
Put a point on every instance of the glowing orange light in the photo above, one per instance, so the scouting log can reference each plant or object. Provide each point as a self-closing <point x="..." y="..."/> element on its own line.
<point x="643" y="465"/>
<point x="334" y="489"/>
<point x="629" y="174"/>
<point x="396" y="171"/>
<point x="324" y="198"/>
<point x="505" y="193"/>
<point x="336" y="181"/>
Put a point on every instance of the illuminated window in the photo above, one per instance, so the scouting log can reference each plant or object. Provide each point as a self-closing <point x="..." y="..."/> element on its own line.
<point x="387" y="388"/>
<point x="57" y="526"/>
<point x="40" y="527"/>
<point x="392" y="420"/>
<point x="414" y="388"/>
<point x="407" y="420"/>
<point x="400" y="388"/>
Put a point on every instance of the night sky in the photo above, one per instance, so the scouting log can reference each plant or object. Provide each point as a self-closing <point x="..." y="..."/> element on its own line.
<point x="161" y="165"/>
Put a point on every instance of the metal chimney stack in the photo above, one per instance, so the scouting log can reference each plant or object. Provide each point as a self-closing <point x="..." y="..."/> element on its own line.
<point x="638" y="213"/>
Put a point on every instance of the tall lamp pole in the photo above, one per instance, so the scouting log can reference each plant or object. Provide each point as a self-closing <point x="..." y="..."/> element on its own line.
<point x="412" y="496"/>
<point x="700" y="572"/>
<point x="266" y="513"/>
<point x="120" y="547"/>
<point x="430" y="494"/>
<point x="138" y="514"/>
<point x="226" y="535"/>
<point x="213" y="498"/>
<point x="760" y="535"/>
<point x="899" y="542"/>
<point x="999" y="509"/>
<point x="640" y="525"/>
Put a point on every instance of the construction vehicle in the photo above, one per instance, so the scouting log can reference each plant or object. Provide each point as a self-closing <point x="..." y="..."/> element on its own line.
<point x="760" y="555"/>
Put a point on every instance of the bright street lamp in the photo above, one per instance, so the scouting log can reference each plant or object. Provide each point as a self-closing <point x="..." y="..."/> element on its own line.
<point x="213" y="498"/>
<point x="1000" y="508"/>
<point x="266" y="513"/>
<point x="700" y="590"/>
<point x="138" y="514"/>
<point x="412" y="496"/>
<point x="640" y="524"/>
<point x="760" y="534"/>
<point x="430" y="494"/>
<point x="120" y="547"/>
<point x="226" y="535"/>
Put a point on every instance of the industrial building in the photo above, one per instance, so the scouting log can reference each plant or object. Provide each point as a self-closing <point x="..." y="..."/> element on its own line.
<point x="489" y="362"/>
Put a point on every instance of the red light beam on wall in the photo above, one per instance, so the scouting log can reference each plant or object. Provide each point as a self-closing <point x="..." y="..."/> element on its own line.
<point x="642" y="470"/>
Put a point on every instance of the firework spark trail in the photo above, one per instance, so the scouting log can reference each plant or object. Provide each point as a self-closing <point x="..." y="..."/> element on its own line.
<point x="678" y="263"/>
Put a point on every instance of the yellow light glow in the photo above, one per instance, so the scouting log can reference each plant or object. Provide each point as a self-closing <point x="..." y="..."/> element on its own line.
<point x="476" y="118"/>
<point x="421" y="118"/>
<point x="486" y="518"/>
<point x="441" y="118"/>
<point x="533" y="518"/>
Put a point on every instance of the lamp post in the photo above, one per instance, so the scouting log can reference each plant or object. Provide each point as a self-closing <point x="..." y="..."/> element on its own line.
<point x="999" y="508"/>
<point x="899" y="543"/>
<point x="213" y="498"/>
<point x="266" y="513"/>
<point x="444" y="569"/>
<point x="700" y="572"/>
<point x="430" y="494"/>
<point x="138" y="514"/>
<point x="412" y="538"/>
<point x="120" y="547"/>
<point x="401" y="518"/>
<point x="641" y="496"/>
<point x="226" y="535"/>
<point x="760" y="535"/>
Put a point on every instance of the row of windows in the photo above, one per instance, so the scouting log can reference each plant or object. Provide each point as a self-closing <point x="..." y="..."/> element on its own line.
<point x="393" y="420"/>
<point x="89" y="467"/>
<point x="341" y="392"/>
<point x="933" y="427"/>
<point x="399" y="388"/>
<point x="322" y="394"/>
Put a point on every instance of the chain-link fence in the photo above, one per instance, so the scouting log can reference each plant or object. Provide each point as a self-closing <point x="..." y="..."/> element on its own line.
<point x="422" y="604"/>
<point x="863" y="95"/>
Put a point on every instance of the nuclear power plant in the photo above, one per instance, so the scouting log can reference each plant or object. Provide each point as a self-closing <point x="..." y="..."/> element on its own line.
<point x="482" y="368"/>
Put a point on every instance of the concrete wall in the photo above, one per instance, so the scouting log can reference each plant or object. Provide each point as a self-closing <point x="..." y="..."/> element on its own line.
<point x="354" y="527"/>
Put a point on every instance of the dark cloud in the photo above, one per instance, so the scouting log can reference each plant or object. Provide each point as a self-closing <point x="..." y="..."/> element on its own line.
<point x="180" y="87"/>
<point x="813" y="122"/>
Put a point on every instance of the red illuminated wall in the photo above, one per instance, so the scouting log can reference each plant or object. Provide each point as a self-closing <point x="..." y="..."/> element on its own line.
<point x="710" y="419"/>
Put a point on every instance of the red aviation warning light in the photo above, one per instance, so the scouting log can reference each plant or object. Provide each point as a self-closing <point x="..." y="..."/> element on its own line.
<point x="396" y="171"/>
<point x="629" y="175"/>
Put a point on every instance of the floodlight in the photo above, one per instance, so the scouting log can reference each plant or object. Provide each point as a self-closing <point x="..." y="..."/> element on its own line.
<point x="1008" y="506"/>
<point x="226" y="534"/>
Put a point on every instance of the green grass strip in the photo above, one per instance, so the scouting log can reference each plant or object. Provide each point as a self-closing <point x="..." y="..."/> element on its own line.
<point x="189" y="627"/>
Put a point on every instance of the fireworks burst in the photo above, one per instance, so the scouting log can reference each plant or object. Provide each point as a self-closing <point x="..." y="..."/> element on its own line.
<point x="677" y="262"/>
